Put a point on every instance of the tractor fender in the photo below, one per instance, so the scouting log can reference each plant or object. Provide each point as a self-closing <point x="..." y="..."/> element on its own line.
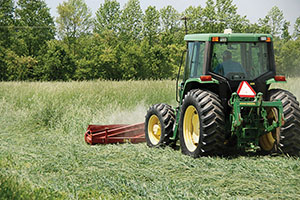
<point x="197" y="83"/>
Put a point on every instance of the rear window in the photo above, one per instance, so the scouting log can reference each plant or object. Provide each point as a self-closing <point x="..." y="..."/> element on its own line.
<point x="240" y="60"/>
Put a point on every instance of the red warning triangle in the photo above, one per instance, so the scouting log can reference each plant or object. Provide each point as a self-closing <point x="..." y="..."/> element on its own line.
<point x="245" y="90"/>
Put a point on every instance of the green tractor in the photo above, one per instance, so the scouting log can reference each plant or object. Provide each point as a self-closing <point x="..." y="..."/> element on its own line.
<point x="225" y="100"/>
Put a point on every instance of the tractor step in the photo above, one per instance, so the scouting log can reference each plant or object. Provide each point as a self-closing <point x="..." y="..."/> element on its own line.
<point x="117" y="133"/>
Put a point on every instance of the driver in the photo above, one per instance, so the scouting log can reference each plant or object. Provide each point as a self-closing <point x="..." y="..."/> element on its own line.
<point x="228" y="65"/>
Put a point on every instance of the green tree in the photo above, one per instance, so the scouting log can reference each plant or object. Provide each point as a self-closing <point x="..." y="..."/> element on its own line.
<point x="170" y="26"/>
<point x="285" y="35"/>
<point x="131" y="61"/>
<point x="108" y="17"/>
<point x="297" y="28"/>
<point x="99" y="58"/>
<point x="221" y="15"/>
<point x="194" y="19"/>
<point x="158" y="62"/>
<point x="151" y="24"/>
<point x="209" y="17"/>
<point x="252" y="28"/>
<point x="274" y="23"/>
<point x="131" y="20"/>
<point x="288" y="57"/>
<point x="3" y="67"/>
<point x="170" y="19"/>
<point x="35" y="25"/>
<point x="56" y="62"/>
<point x="7" y="21"/>
<point x="74" y="20"/>
<point x="20" y="68"/>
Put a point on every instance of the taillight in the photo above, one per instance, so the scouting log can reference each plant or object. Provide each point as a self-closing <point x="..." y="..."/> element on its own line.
<point x="206" y="78"/>
<point x="280" y="78"/>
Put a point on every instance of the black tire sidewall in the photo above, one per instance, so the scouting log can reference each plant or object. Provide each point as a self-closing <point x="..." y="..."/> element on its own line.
<point x="153" y="111"/>
<point x="290" y="131"/>
<point x="190" y="100"/>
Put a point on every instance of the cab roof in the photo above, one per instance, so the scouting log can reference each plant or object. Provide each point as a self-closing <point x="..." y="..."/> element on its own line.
<point x="233" y="37"/>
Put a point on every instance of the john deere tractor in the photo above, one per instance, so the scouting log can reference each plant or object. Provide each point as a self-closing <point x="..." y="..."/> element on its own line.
<point x="225" y="101"/>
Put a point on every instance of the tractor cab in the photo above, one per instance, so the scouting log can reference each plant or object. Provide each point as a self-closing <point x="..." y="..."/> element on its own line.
<point x="230" y="56"/>
<point x="228" y="59"/>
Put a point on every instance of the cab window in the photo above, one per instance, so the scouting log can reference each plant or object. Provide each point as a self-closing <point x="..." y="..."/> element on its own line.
<point x="195" y="59"/>
<point x="240" y="60"/>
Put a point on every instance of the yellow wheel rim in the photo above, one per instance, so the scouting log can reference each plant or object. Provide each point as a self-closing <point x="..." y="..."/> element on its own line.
<point x="267" y="140"/>
<point x="154" y="129"/>
<point x="191" y="128"/>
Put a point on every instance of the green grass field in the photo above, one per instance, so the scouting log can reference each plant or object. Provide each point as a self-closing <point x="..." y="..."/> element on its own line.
<point x="43" y="154"/>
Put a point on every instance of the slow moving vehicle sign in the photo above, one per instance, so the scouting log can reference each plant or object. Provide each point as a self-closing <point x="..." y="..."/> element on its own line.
<point x="245" y="90"/>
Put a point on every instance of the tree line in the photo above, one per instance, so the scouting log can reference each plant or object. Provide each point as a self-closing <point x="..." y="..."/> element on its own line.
<point x="121" y="43"/>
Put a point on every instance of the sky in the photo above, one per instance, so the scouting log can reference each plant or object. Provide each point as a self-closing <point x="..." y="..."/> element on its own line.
<point x="253" y="9"/>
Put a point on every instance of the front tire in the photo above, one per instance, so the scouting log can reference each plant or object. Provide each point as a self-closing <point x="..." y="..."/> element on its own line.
<point x="159" y="123"/>
<point x="290" y="131"/>
<point x="202" y="124"/>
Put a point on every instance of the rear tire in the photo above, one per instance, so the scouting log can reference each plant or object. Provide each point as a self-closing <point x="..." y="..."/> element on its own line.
<point x="159" y="123"/>
<point x="202" y="124"/>
<point x="290" y="131"/>
<point x="269" y="142"/>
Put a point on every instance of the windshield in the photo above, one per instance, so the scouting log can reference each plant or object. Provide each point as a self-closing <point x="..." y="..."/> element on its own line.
<point x="238" y="61"/>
